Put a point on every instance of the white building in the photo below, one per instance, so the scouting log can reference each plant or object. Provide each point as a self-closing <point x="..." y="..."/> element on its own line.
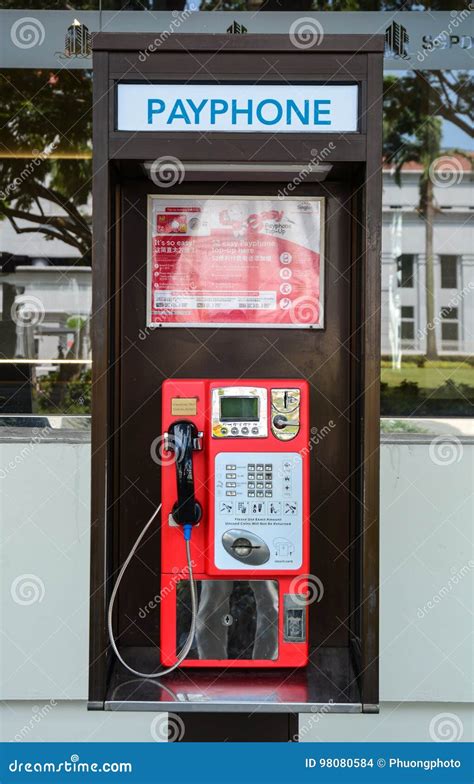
<point x="404" y="322"/>
<point x="66" y="292"/>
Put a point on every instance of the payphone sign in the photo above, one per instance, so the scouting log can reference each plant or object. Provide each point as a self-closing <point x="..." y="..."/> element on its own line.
<point x="243" y="108"/>
<point x="237" y="261"/>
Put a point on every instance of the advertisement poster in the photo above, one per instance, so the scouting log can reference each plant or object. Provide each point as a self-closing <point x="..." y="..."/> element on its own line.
<point x="235" y="262"/>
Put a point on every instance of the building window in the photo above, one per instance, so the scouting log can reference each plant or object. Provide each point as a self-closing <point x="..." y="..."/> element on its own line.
<point x="407" y="326"/>
<point x="406" y="270"/>
<point x="450" y="328"/>
<point x="449" y="272"/>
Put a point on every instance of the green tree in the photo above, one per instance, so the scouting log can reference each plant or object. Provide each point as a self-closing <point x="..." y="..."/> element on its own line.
<point x="46" y="173"/>
<point x="413" y="133"/>
<point x="45" y="155"/>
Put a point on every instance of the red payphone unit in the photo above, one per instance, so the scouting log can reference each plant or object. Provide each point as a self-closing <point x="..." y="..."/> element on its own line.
<point x="237" y="476"/>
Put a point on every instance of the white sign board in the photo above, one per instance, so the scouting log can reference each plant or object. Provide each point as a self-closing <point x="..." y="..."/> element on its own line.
<point x="239" y="108"/>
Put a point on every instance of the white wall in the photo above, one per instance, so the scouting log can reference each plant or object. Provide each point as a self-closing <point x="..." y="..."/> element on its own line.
<point x="427" y="572"/>
<point x="426" y="585"/>
<point x="44" y="510"/>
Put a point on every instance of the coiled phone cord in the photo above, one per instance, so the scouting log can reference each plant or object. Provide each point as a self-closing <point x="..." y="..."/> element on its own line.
<point x="189" y="641"/>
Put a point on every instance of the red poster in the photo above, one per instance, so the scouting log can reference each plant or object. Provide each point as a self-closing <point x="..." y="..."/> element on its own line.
<point x="235" y="261"/>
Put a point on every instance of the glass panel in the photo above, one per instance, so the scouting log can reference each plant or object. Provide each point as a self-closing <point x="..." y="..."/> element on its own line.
<point x="405" y="265"/>
<point x="228" y="5"/>
<point x="449" y="313"/>
<point x="53" y="5"/>
<point x="45" y="242"/>
<point x="449" y="272"/>
<point x="449" y="331"/>
<point x="268" y="5"/>
<point x="427" y="281"/>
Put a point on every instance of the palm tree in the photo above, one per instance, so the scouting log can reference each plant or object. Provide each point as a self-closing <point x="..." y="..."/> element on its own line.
<point x="413" y="133"/>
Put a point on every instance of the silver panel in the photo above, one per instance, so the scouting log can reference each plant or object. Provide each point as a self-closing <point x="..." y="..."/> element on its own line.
<point x="294" y="618"/>
<point x="237" y="619"/>
<point x="327" y="685"/>
<point x="285" y="406"/>
<point x="234" y="707"/>
<point x="318" y="171"/>
<point x="246" y="547"/>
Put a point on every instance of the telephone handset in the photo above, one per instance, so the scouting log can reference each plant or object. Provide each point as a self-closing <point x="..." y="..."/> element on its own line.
<point x="183" y="438"/>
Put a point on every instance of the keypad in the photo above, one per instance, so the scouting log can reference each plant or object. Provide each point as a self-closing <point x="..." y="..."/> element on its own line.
<point x="259" y="480"/>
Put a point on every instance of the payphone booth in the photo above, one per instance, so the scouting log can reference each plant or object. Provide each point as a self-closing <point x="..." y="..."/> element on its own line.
<point x="237" y="204"/>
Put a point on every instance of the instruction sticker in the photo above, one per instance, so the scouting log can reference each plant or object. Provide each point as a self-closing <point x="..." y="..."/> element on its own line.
<point x="236" y="261"/>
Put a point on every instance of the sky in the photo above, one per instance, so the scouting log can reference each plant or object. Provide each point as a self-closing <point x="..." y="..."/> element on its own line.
<point x="455" y="137"/>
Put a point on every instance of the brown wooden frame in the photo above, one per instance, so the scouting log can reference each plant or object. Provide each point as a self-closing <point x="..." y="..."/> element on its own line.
<point x="337" y="59"/>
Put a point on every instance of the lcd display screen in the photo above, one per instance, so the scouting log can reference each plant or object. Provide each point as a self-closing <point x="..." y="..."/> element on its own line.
<point x="239" y="409"/>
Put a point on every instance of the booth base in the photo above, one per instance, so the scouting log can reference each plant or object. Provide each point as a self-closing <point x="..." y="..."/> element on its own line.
<point x="327" y="685"/>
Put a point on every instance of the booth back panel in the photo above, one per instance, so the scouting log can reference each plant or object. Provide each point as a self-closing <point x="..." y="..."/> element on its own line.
<point x="322" y="357"/>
